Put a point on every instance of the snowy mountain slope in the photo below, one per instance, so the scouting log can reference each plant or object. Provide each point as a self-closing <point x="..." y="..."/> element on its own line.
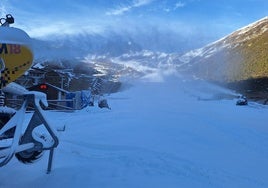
<point x="239" y="59"/>
<point x="158" y="134"/>
<point x="147" y="62"/>
<point x="238" y="56"/>
<point x="125" y="67"/>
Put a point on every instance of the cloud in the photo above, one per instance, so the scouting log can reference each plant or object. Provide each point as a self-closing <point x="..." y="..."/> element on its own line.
<point x="67" y="19"/>
<point x="59" y="22"/>
<point x="173" y="7"/>
<point x="47" y="30"/>
<point x="119" y="11"/>
<point x="126" y="8"/>
<point x="138" y="3"/>
<point x="179" y="5"/>
<point x="3" y="8"/>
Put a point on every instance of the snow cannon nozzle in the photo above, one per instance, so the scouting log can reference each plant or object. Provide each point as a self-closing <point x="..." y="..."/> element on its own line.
<point x="9" y="19"/>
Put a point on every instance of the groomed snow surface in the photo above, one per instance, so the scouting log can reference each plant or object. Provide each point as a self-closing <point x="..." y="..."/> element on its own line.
<point x="165" y="134"/>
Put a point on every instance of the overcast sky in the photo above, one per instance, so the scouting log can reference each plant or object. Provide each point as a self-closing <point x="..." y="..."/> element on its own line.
<point x="211" y="19"/>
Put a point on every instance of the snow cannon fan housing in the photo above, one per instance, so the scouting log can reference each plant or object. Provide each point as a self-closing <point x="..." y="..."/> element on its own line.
<point x="16" y="55"/>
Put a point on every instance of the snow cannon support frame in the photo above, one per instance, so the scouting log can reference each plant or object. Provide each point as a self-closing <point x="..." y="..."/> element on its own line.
<point x="25" y="143"/>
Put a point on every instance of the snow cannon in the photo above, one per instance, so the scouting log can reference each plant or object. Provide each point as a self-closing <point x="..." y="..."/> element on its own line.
<point x="16" y="56"/>
<point x="25" y="141"/>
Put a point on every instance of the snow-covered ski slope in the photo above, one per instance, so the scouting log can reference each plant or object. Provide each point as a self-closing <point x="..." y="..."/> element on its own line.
<point x="158" y="134"/>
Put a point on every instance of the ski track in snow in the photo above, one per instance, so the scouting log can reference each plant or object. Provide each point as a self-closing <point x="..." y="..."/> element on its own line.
<point x="156" y="135"/>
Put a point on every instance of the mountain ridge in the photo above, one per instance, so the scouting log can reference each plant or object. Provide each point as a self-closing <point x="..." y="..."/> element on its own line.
<point x="238" y="60"/>
<point x="229" y="59"/>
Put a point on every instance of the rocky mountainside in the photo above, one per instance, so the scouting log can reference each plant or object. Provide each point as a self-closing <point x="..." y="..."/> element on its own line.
<point x="239" y="60"/>
<point x="240" y="56"/>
